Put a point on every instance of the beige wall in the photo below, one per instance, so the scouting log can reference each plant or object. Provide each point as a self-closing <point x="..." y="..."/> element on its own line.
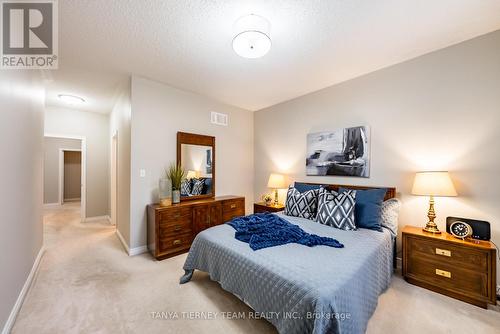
<point x="51" y="166"/>
<point x="21" y="179"/>
<point x="72" y="175"/>
<point x="120" y="126"/>
<point x="440" y="111"/>
<point x="158" y="112"/>
<point x="95" y="128"/>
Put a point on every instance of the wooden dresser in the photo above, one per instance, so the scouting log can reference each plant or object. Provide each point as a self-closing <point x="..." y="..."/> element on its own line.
<point x="464" y="270"/>
<point x="172" y="229"/>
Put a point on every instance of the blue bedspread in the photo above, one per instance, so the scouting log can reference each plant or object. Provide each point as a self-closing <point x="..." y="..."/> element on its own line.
<point x="264" y="230"/>
<point x="310" y="290"/>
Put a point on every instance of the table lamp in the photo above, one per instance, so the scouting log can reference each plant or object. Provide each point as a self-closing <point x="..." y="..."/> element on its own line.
<point x="433" y="184"/>
<point x="276" y="181"/>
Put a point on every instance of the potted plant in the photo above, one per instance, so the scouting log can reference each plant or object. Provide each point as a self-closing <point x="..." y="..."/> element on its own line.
<point x="175" y="173"/>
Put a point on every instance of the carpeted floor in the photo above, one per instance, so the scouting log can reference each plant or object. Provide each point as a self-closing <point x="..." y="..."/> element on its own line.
<point x="87" y="284"/>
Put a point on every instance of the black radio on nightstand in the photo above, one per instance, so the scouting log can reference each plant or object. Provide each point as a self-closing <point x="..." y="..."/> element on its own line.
<point x="480" y="228"/>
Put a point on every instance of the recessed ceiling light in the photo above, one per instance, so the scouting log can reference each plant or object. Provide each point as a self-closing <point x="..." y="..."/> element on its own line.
<point x="252" y="36"/>
<point x="71" y="99"/>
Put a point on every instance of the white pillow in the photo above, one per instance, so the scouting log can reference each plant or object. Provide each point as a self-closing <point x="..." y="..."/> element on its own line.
<point x="389" y="215"/>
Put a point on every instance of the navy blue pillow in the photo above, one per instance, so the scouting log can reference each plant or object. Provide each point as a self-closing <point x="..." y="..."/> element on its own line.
<point x="303" y="187"/>
<point x="367" y="212"/>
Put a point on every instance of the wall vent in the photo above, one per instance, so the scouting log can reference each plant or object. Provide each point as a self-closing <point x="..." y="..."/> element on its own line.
<point x="218" y="118"/>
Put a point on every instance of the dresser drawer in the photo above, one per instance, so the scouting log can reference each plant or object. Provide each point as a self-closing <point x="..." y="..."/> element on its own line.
<point x="450" y="277"/>
<point x="232" y="208"/>
<point x="449" y="254"/>
<point x="173" y="228"/>
<point x="175" y="243"/>
<point x="174" y="216"/>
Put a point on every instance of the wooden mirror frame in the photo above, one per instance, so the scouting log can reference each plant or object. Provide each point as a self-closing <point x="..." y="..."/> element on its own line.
<point x="202" y="140"/>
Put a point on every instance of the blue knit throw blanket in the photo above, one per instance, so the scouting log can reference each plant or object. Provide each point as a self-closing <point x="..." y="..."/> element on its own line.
<point x="264" y="230"/>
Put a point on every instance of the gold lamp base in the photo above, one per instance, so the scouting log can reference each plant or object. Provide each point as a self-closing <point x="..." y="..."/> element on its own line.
<point x="431" y="226"/>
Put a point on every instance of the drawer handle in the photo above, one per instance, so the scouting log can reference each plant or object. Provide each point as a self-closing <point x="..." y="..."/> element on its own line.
<point x="443" y="273"/>
<point x="233" y="206"/>
<point x="443" y="252"/>
<point x="177" y="242"/>
<point x="177" y="216"/>
<point x="177" y="228"/>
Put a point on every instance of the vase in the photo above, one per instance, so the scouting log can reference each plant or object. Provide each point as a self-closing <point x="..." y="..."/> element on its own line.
<point x="176" y="196"/>
<point x="268" y="203"/>
<point x="165" y="192"/>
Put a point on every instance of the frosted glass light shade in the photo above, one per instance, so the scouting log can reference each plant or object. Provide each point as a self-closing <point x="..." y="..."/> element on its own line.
<point x="433" y="184"/>
<point x="252" y="36"/>
<point x="276" y="181"/>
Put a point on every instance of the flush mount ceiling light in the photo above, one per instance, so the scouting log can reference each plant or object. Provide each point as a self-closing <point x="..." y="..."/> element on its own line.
<point x="71" y="99"/>
<point x="251" y="39"/>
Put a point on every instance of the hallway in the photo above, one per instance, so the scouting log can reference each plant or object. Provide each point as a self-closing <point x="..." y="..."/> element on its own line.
<point x="87" y="283"/>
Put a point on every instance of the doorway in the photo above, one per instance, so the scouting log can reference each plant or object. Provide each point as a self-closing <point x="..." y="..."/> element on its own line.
<point x="71" y="187"/>
<point x="65" y="166"/>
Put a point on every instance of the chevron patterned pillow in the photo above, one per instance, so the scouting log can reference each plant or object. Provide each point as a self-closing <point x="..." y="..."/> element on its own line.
<point x="302" y="205"/>
<point x="198" y="187"/>
<point x="336" y="209"/>
<point x="185" y="187"/>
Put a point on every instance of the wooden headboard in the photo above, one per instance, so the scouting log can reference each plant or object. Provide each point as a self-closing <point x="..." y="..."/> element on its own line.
<point x="391" y="191"/>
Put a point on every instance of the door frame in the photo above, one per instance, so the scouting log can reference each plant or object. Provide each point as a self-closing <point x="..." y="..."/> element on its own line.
<point x="61" y="173"/>
<point x="83" y="149"/>
<point x="113" y="196"/>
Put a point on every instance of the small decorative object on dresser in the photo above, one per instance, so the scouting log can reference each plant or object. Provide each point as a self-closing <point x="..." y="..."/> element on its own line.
<point x="171" y="229"/>
<point x="165" y="192"/>
<point x="462" y="269"/>
<point x="175" y="173"/>
<point x="433" y="184"/>
<point x="264" y="207"/>
<point x="267" y="199"/>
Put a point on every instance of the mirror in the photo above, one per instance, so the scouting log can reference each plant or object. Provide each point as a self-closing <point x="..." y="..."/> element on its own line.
<point x="196" y="154"/>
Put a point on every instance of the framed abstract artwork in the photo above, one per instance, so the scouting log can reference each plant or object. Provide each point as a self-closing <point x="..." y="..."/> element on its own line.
<point x="342" y="152"/>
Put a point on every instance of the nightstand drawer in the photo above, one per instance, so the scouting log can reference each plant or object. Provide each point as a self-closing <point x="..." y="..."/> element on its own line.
<point x="449" y="277"/>
<point x="449" y="254"/>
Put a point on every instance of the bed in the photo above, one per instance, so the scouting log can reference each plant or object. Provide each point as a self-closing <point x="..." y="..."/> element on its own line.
<point x="297" y="288"/>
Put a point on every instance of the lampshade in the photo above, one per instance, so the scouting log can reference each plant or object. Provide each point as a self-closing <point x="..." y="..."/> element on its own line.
<point x="191" y="174"/>
<point x="433" y="184"/>
<point x="276" y="181"/>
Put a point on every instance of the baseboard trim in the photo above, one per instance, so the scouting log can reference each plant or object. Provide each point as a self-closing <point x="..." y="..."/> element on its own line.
<point x="51" y="205"/>
<point x="122" y="240"/>
<point x="131" y="251"/>
<point x="24" y="291"/>
<point x="138" y="250"/>
<point x="96" y="218"/>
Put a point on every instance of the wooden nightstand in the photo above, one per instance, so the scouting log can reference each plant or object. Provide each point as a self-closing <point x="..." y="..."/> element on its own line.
<point x="464" y="270"/>
<point x="262" y="207"/>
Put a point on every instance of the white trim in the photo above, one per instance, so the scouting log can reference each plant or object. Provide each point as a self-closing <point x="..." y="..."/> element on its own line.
<point x="122" y="240"/>
<point x="131" y="251"/>
<point x="51" y="205"/>
<point x="24" y="291"/>
<point x="96" y="218"/>
<point x="83" y="148"/>
<point x="138" y="250"/>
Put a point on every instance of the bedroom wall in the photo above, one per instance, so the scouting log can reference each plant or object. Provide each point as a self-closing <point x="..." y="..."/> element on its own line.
<point x="21" y="179"/>
<point x="51" y="166"/>
<point x="119" y="124"/>
<point x="159" y="111"/>
<point x="440" y="111"/>
<point x="95" y="128"/>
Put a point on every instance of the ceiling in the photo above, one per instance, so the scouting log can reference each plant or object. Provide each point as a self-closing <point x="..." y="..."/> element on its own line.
<point x="187" y="44"/>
